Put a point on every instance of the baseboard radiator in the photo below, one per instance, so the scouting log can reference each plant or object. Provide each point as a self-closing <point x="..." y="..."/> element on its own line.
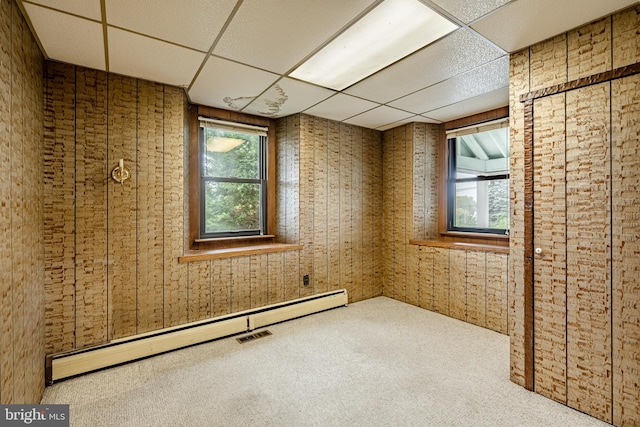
<point x="64" y="365"/>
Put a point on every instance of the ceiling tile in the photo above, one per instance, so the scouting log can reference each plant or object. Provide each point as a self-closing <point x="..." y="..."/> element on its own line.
<point x="412" y="119"/>
<point x="478" y="104"/>
<point x="469" y="10"/>
<point x="340" y="107"/>
<point x="454" y="54"/>
<point x="296" y="27"/>
<point x="67" y="38"/>
<point x="229" y="85"/>
<point x="480" y="80"/>
<point x="191" y="23"/>
<point x="146" y="58"/>
<point x="286" y="97"/>
<point x="378" y="117"/>
<point x="525" y="22"/>
<point x="87" y="8"/>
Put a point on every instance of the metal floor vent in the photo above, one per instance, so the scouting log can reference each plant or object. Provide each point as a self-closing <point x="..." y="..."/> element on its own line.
<point x="253" y="336"/>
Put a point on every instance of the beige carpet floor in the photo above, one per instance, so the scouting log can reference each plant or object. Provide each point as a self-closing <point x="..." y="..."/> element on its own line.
<point x="378" y="362"/>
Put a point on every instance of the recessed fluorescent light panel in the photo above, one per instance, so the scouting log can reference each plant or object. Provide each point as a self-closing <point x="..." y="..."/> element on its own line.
<point x="391" y="31"/>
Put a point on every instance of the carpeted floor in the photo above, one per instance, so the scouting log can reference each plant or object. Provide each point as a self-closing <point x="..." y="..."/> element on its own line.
<point x="378" y="362"/>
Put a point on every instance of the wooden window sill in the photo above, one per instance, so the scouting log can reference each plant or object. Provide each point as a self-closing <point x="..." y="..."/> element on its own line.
<point x="467" y="246"/>
<point x="205" y="254"/>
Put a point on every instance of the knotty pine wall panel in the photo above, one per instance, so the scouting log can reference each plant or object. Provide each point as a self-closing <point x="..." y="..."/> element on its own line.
<point x="22" y="266"/>
<point x="626" y="43"/>
<point x="133" y="283"/>
<point x="519" y="77"/>
<point x="221" y="286"/>
<point x="199" y="295"/>
<point x="588" y="169"/>
<point x="589" y="49"/>
<point x="341" y="235"/>
<point x="625" y="278"/>
<point x="438" y="279"/>
<point x="550" y="271"/>
<point x="91" y="212"/>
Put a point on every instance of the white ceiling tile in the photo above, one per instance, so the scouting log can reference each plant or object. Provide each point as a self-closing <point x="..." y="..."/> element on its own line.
<point x="191" y="23"/>
<point x="454" y="54"/>
<point x="286" y="97"/>
<point x="378" y="117"/>
<point x="469" y="10"/>
<point x="87" y="8"/>
<point x="485" y="102"/>
<point x="526" y="22"/>
<point x="275" y="35"/>
<point x="480" y="80"/>
<point x="340" y="107"/>
<point x="229" y="85"/>
<point x="67" y="38"/>
<point x="143" y="57"/>
<point x="412" y="119"/>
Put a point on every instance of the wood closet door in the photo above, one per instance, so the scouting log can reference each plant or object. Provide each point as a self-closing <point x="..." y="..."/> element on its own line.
<point x="572" y="229"/>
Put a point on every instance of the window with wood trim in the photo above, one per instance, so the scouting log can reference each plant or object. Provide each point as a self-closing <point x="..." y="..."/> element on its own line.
<point x="233" y="179"/>
<point x="478" y="178"/>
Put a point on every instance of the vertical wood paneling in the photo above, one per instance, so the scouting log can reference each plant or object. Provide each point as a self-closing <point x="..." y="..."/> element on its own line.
<point x="413" y="275"/>
<point x="421" y="161"/>
<point x="372" y="220"/>
<point x="425" y="273"/>
<point x="306" y="165"/>
<point x="626" y="249"/>
<point x="333" y="205"/>
<point x="497" y="293"/>
<point x="149" y="214"/>
<point x="589" y="49"/>
<point x="121" y="220"/>
<point x="550" y="275"/>
<point x="458" y="285"/>
<point x="588" y="170"/>
<point x="259" y="280"/>
<point x="377" y="209"/>
<point x="18" y="205"/>
<point x="357" y="214"/>
<point x="221" y="286"/>
<point x="549" y="62"/>
<point x="22" y="264"/>
<point x="291" y="275"/>
<point x="175" y="274"/>
<point x="476" y="288"/>
<point x="199" y="290"/>
<point x="59" y="199"/>
<point x="276" y="277"/>
<point x="320" y="206"/>
<point x="518" y="84"/>
<point x="400" y="213"/>
<point x="346" y="223"/>
<point x="240" y="284"/>
<point x="91" y="208"/>
<point x="626" y="43"/>
<point x="388" y="218"/>
<point x="441" y="280"/>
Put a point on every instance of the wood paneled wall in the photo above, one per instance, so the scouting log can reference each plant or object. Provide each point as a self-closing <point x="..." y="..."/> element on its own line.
<point x="112" y="249"/>
<point x="586" y="329"/>
<point x="329" y="200"/>
<point x="21" y="212"/>
<point x="467" y="285"/>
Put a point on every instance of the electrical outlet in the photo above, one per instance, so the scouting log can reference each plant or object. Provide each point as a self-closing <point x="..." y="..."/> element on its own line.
<point x="305" y="280"/>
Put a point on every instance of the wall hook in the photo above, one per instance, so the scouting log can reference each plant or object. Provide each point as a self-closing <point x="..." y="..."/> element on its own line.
<point x="120" y="173"/>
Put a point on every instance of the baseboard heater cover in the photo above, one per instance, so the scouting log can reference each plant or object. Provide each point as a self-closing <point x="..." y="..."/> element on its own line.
<point x="69" y="364"/>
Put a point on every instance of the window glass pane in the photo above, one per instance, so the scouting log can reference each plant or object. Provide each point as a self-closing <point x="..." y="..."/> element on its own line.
<point x="231" y="206"/>
<point x="231" y="154"/>
<point x="482" y="154"/>
<point x="482" y="204"/>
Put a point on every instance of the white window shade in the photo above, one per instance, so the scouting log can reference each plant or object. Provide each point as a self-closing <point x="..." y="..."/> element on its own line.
<point x="233" y="127"/>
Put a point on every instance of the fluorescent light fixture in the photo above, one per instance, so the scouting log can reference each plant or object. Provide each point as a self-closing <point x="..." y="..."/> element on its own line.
<point x="391" y="31"/>
<point x="221" y="144"/>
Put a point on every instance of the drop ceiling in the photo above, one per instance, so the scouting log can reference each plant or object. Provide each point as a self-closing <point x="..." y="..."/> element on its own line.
<point x="239" y="54"/>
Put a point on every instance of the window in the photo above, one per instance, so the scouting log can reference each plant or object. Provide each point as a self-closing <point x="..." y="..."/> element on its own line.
<point x="478" y="179"/>
<point x="233" y="179"/>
